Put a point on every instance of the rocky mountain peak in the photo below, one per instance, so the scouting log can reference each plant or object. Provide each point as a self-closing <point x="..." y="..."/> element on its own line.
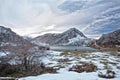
<point x="74" y="32"/>
<point x="109" y="40"/>
<point x="10" y="38"/>
<point x="10" y="41"/>
<point x="73" y="29"/>
<point x="4" y="30"/>
<point x="70" y="37"/>
<point x="7" y="35"/>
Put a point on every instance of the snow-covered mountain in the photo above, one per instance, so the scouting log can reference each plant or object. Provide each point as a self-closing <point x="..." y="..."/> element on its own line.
<point x="70" y="37"/>
<point x="10" y="41"/>
<point x="110" y="40"/>
<point x="8" y="37"/>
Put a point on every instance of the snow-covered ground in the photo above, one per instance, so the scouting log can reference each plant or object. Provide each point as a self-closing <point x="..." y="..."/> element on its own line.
<point x="4" y="53"/>
<point x="64" y="60"/>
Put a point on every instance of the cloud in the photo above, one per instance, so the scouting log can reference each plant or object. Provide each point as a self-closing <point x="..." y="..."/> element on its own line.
<point x="41" y="16"/>
<point x="50" y="27"/>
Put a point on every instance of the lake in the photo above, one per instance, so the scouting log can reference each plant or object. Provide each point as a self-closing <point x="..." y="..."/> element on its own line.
<point x="72" y="48"/>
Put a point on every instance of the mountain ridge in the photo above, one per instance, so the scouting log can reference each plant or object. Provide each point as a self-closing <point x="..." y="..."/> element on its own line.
<point x="70" y="37"/>
<point x="10" y="41"/>
<point x="112" y="38"/>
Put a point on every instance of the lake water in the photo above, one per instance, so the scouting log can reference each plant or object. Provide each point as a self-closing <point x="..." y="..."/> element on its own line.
<point x="72" y="48"/>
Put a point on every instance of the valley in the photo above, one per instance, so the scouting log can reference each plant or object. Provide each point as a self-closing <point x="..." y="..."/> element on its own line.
<point x="59" y="39"/>
<point x="69" y="55"/>
<point x="64" y="60"/>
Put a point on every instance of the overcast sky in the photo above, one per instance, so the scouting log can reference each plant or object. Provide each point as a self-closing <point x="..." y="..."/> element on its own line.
<point x="33" y="17"/>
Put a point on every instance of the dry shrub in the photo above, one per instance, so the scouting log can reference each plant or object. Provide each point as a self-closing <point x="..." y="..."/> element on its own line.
<point x="7" y="69"/>
<point x="85" y="67"/>
<point x="63" y="60"/>
<point x="50" y="70"/>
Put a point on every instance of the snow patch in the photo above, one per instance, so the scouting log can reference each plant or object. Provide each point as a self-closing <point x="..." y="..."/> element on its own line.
<point x="65" y="74"/>
<point x="76" y="39"/>
<point x="3" y="30"/>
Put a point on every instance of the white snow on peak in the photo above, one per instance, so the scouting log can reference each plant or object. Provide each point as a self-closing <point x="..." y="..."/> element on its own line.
<point x="3" y="30"/>
<point x="75" y="39"/>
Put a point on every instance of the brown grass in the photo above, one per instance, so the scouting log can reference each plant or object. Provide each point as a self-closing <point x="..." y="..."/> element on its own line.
<point x="85" y="67"/>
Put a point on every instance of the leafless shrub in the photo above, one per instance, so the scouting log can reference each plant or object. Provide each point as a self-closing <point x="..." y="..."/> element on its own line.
<point x="63" y="60"/>
<point x="85" y="67"/>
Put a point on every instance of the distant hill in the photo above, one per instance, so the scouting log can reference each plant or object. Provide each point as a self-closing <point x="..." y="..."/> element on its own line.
<point x="8" y="37"/>
<point x="109" y="40"/>
<point x="10" y="41"/>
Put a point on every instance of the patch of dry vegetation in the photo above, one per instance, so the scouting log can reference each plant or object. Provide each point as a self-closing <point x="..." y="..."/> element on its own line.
<point x="75" y="53"/>
<point x="8" y="70"/>
<point x="84" y="67"/>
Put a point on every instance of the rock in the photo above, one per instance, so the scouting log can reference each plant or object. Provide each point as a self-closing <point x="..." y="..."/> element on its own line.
<point x="109" y="74"/>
